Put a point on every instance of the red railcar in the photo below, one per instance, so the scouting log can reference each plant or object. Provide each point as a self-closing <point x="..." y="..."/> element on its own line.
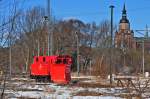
<point x="52" y="68"/>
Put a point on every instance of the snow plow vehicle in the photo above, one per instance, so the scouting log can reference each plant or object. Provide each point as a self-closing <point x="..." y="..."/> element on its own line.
<point x="56" y="69"/>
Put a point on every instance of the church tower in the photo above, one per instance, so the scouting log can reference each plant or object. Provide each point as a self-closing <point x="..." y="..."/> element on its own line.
<point x="124" y="22"/>
<point x="124" y="36"/>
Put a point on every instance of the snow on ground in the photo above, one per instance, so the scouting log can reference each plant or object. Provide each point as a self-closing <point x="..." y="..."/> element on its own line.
<point x="95" y="97"/>
<point x="53" y="91"/>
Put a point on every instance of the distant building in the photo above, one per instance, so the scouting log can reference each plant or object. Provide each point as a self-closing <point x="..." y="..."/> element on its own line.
<point x="124" y="37"/>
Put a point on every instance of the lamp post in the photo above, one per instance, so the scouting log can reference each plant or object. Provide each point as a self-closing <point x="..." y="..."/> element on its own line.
<point x="50" y="34"/>
<point x="111" y="31"/>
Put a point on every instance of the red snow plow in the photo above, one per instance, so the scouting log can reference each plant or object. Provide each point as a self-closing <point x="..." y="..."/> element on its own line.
<point x="52" y="68"/>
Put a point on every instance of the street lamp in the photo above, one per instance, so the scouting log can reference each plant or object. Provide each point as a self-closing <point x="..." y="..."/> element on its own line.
<point x="111" y="28"/>
<point x="50" y="34"/>
<point x="46" y="23"/>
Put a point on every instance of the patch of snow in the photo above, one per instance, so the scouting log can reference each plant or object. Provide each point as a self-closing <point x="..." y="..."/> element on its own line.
<point x="95" y="97"/>
<point x="27" y="94"/>
<point x="58" y="92"/>
<point x="34" y="87"/>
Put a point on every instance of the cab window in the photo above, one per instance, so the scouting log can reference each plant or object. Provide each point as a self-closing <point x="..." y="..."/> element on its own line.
<point x="58" y="61"/>
<point x="65" y="61"/>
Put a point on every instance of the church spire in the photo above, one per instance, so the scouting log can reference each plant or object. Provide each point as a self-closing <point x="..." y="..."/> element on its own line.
<point x="124" y="14"/>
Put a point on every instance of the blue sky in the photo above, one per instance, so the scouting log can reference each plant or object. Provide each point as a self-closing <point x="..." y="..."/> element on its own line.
<point x="97" y="10"/>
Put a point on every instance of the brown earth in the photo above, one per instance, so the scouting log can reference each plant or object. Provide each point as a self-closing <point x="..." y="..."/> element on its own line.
<point x="94" y="85"/>
<point x="88" y="93"/>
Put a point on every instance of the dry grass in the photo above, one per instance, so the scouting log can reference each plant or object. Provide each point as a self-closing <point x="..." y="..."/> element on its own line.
<point x="94" y="85"/>
<point x="88" y="93"/>
<point x="27" y="98"/>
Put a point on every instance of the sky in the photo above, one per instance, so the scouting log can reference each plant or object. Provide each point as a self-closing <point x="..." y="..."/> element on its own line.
<point x="96" y="10"/>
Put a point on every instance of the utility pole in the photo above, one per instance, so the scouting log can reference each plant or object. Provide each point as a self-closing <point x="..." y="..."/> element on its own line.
<point x="143" y="59"/>
<point x="143" y="47"/>
<point x="111" y="30"/>
<point x="146" y="34"/>
<point x="10" y="62"/>
<point x="78" y="65"/>
<point x="38" y="46"/>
